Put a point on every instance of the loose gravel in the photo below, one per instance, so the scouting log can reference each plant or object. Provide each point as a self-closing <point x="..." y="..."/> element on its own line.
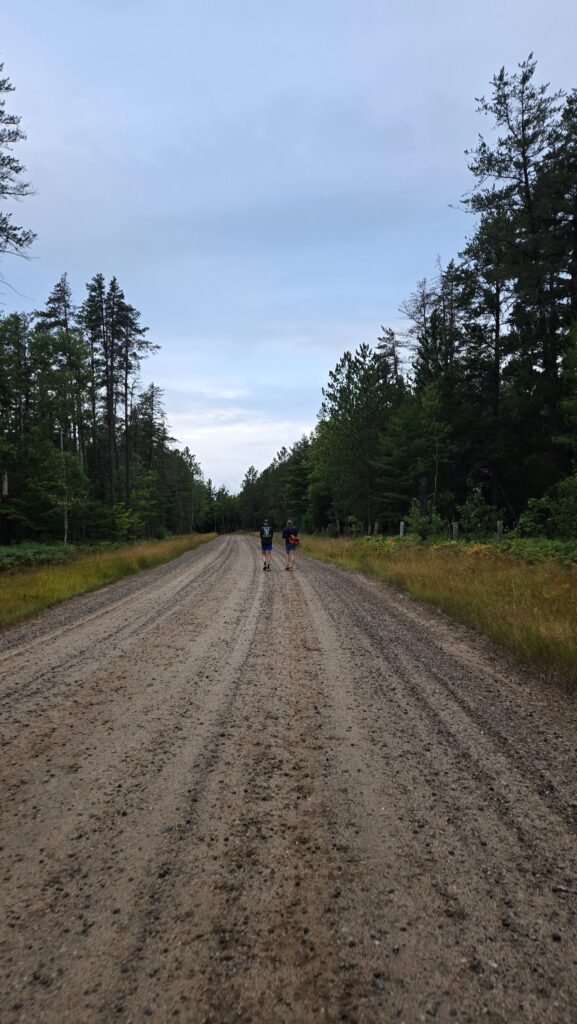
<point x="236" y="796"/>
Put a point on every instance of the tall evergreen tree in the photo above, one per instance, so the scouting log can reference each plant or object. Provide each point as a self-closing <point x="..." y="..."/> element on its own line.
<point x="57" y="325"/>
<point x="13" y="240"/>
<point x="508" y="175"/>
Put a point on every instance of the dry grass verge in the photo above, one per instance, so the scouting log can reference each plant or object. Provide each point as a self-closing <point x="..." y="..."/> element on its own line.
<point x="28" y="591"/>
<point x="530" y="609"/>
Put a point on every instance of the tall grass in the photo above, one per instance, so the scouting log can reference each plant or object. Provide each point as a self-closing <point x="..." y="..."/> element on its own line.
<point x="530" y="609"/>
<point x="28" y="591"/>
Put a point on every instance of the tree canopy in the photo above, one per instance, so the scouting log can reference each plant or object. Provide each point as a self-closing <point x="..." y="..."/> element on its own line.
<point x="481" y="410"/>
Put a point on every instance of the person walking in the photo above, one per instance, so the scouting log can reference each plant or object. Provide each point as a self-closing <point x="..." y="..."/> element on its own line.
<point x="291" y="539"/>
<point x="266" y="532"/>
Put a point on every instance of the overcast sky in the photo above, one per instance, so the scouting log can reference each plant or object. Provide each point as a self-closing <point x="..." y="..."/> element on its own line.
<point x="268" y="182"/>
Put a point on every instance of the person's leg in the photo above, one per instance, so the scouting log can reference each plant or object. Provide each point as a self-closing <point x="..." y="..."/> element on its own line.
<point x="268" y="557"/>
<point x="263" y="558"/>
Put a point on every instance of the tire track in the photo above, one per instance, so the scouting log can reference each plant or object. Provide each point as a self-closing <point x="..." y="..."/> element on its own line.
<point x="102" y="625"/>
<point x="449" y="685"/>
<point x="284" y="798"/>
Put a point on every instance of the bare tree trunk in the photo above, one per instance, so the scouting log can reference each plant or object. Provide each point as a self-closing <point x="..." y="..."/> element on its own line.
<point x="126" y="438"/>
<point x="423" y="496"/>
<point x="64" y="489"/>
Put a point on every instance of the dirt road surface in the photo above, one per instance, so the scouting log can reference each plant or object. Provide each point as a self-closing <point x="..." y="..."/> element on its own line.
<point x="237" y="796"/>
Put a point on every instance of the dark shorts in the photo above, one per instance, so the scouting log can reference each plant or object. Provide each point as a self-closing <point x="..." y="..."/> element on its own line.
<point x="290" y="547"/>
<point x="266" y="547"/>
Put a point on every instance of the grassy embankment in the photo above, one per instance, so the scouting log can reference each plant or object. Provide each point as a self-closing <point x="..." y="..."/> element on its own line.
<point x="523" y="599"/>
<point x="27" y="591"/>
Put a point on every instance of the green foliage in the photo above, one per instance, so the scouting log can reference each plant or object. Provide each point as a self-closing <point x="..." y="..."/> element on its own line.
<point x="533" y="521"/>
<point x="51" y="484"/>
<point x="83" y="453"/>
<point x="30" y="554"/>
<point x="355" y="526"/>
<point x="414" y="452"/>
<point x="425" y="525"/>
<point x="565" y="509"/>
<point x="13" y="240"/>
<point x="417" y="522"/>
<point x="478" y="517"/>
<point x="484" y="423"/>
<point x="556" y="514"/>
<point x="127" y="523"/>
<point x="538" y="549"/>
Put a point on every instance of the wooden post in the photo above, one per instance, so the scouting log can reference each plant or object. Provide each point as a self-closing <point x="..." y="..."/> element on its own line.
<point x="402" y="528"/>
<point x="455" y="530"/>
<point x="499" y="529"/>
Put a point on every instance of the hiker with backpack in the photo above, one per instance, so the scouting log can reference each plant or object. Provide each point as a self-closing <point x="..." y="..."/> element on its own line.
<point x="291" y="540"/>
<point x="266" y="533"/>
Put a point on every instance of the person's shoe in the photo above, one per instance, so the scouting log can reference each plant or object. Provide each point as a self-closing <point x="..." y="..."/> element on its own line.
<point x="264" y="568"/>
<point x="287" y="567"/>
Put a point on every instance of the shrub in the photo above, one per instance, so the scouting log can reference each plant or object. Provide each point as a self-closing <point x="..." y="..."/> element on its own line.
<point x="33" y="553"/>
<point x="431" y="525"/>
<point x="545" y="516"/>
<point x="477" y="516"/>
<point x="565" y="512"/>
<point x="127" y="523"/>
<point x="533" y="522"/>
<point x="355" y="526"/>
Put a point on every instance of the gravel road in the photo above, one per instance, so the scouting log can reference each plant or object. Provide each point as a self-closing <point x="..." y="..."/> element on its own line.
<point x="236" y="796"/>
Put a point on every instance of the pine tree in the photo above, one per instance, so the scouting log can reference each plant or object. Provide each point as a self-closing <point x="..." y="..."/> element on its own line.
<point x="57" y="323"/>
<point x="509" y="178"/>
<point x="92" y="320"/>
<point x="13" y="240"/>
<point x="559" y="182"/>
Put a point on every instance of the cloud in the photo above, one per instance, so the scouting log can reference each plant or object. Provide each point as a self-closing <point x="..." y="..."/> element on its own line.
<point x="227" y="442"/>
<point x="267" y="182"/>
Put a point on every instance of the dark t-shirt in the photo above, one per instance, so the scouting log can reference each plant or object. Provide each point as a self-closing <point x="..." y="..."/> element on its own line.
<point x="266" y="534"/>
<point x="288" y="532"/>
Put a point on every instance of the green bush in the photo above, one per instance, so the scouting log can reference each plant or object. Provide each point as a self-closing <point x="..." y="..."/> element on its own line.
<point x="565" y="512"/>
<point x="32" y="553"/>
<point x="424" y="526"/>
<point x="538" y="549"/>
<point x="533" y="521"/>
<point x="355" y="526"/>
<point x="477" y="516"/>
<point x="128" y="524"/>
<point x="552" y="515"/>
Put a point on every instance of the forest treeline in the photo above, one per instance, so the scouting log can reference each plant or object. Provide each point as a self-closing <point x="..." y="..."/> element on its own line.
<point x="471" y="414"/>
<point x="85" y="450"/>
<point x="468" y="415"/>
